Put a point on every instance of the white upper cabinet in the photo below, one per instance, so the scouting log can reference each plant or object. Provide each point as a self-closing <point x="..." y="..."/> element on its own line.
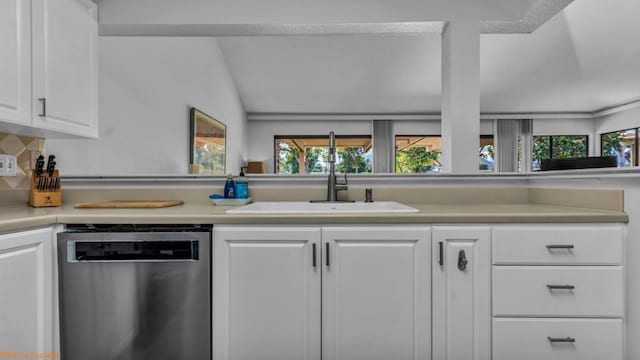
<point x="15" y="61"/>
<point x="65" y="34"/>
<point x="49" y="67"/>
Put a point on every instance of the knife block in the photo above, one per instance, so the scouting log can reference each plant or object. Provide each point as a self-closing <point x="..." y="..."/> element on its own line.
<point x="45" y="197"/>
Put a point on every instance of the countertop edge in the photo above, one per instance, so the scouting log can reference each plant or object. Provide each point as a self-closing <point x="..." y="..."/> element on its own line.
<point x="555" y="214"/>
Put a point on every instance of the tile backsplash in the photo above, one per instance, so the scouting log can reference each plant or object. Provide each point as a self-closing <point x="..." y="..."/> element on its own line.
<point x="26" y="149"/>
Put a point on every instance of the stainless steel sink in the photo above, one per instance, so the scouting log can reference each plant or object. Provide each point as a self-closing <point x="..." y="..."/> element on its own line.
<point x="305" y="207"/>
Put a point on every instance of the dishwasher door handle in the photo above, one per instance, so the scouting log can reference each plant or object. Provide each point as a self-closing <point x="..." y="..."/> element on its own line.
<point x="132" y="251"/>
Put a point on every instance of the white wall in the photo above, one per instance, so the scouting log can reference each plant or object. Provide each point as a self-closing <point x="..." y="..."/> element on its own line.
<point x="567" y="127"/>
<point x="622" y="120"/>
<point x="146" y="88"/>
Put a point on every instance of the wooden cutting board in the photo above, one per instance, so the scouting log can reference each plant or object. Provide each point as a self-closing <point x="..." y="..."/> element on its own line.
<point x="135" y="204"/>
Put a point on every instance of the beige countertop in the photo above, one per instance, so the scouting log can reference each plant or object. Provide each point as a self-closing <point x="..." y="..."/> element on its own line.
<point x="20" y="217"/>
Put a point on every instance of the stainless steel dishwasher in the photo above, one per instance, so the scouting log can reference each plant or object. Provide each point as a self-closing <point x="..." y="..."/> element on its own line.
<point x="135" y="292"/>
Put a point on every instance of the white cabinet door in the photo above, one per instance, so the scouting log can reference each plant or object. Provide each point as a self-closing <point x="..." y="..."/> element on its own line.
<point x="26" y="304"/>
<point x="65" y="35"/>
<point x="461" y="293"/>
<point x="15" y="61"/>
<point x="558" y="339"/>
<point x="376" y="293"/>
<point x="266" y="293"/>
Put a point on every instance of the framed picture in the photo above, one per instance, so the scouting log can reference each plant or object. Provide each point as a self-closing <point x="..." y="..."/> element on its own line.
<point x="208" y="144"/>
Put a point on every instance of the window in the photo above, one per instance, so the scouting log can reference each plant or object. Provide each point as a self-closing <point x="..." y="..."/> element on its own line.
<point x="621" y="144"/>
<point x="487" y="152"/>
<point x="558" y="147"/>
<point x="418" y="154"/>
<point x="310" y="154"/>
<point x="423" y="153"/>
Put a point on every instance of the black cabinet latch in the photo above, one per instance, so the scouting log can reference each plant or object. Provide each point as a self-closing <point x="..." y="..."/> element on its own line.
<point x="462" y="261"/>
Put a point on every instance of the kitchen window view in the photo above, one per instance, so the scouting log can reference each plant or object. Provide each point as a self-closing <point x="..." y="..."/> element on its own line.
<point x="423" y="153"/>
<point x="418" y="154"/>
<point x="623" y="145"/>
<point x="310" y="154"/>
<point x="558" y="147"/>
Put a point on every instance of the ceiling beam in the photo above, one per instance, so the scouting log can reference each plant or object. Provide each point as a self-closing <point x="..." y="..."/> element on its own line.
<point x="411" y="117"/>
<point x="226" y="30"/>
<point x="410" y="143"/>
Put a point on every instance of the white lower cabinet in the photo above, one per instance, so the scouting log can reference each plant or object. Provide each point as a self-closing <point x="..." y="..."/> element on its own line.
<point x="558" y="292"/>
<point x="376" y="293"/>
<point x="26" y="304"/>
<point x="266" y="293"/>
<point x="375" y="300"/>
<point x="461" y="293"/>
<point x="593" y="291"/>
<point x="557" y="339"/>
<point x="416" y="292"/>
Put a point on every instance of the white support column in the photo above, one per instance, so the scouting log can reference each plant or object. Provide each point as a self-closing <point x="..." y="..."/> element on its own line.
<point x="461" y="97"/>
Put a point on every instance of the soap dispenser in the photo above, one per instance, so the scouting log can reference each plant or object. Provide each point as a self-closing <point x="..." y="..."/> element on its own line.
<point x="230" y="188"/>
<point x="242" y="185"/>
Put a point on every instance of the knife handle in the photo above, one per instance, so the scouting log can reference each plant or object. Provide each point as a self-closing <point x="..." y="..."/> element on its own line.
<point x="51" y="166"/>
<point x="39" y="165"/>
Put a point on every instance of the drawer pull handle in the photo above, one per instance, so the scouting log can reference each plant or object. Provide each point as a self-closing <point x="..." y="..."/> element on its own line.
<point x="561" y="340"/>
<point x="560" y="287"/>
<point x="567" y="247"/>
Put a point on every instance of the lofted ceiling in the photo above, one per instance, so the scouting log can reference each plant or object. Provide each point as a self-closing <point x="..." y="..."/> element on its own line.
<point x="583" y="59"/>
<point x="326" y="74"/>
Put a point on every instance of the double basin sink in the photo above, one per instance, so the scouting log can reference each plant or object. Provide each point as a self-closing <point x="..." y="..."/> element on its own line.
<point x="306" y="207"/>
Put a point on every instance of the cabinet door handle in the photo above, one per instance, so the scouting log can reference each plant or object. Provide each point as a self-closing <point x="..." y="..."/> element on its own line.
<point x="561" y="340"/>
<point x="568" y="247"/>
<point x="462" y="261"/>
<point x="327" y="254"/>
<point x="44" y="107"/>
<point x="313" y="254"/>
<point x="441" y="251"/>
<point x="560" y="287"/>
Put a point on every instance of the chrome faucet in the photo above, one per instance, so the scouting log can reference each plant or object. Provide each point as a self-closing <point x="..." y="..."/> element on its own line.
<point x="333" y="186"/>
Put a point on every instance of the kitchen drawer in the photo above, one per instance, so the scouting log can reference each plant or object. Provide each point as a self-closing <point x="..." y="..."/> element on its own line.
<point x="524" y="291"/>
<point x="528" y="339"/>
<point x="600" y="244"/>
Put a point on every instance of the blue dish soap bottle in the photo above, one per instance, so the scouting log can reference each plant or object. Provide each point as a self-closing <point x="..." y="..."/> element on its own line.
<point x="242" y="185"/>
<point x="230" y="188"/>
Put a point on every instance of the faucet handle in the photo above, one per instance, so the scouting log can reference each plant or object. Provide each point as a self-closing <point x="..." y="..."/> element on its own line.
<point x="345" y="180"/>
